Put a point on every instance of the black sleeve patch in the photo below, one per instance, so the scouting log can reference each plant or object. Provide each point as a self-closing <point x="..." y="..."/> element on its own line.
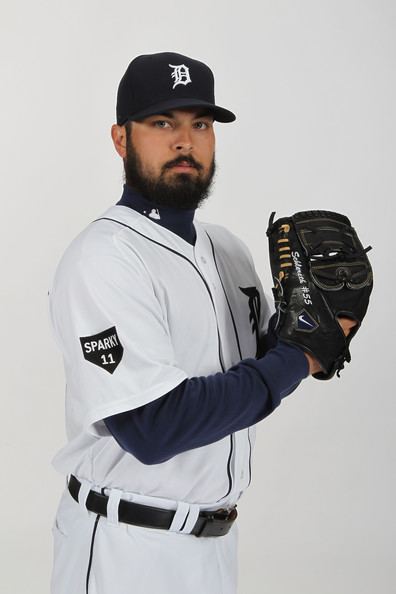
<point x="103" y="349"/>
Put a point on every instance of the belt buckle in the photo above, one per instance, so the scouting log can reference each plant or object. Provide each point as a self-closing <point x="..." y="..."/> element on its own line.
<point x="219" y="522"/>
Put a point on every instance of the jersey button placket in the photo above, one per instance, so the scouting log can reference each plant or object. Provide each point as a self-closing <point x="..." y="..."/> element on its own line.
<point x="204" y="268"/>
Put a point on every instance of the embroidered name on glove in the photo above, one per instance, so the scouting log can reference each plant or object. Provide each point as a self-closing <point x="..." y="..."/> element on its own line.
<point x="103" y="349"/>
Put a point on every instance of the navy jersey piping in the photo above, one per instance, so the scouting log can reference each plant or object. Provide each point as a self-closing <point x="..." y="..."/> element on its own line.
<point x="226" y="296"/>
<point x="229" y="465"/>
<point x="250" y="459"/>
<point x="237" y="340"/>
<point x="214" y="309"/>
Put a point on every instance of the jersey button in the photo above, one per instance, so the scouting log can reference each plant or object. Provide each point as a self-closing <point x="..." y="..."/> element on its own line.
<point x="203" y="260"/>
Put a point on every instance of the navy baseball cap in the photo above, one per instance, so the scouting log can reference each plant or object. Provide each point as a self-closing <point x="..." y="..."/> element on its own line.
<point x="155" y="83"/>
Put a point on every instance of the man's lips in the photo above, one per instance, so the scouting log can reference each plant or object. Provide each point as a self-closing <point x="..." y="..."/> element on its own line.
<point x="183" y="166"/>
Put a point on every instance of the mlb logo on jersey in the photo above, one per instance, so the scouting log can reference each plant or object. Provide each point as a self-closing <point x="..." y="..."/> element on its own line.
<point x="103" y="349"/>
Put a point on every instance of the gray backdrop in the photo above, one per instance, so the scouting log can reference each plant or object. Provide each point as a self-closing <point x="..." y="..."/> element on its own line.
<point x="313" y="84"/>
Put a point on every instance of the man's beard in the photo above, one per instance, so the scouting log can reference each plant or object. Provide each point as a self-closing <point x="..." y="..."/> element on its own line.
<point x="184" y="191"/>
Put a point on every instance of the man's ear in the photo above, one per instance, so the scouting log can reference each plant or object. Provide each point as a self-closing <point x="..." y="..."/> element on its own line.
<point x="118" y="134"/>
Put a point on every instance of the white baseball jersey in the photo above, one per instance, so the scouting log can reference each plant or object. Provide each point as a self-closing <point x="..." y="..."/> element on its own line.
<point x="136" y="310"/>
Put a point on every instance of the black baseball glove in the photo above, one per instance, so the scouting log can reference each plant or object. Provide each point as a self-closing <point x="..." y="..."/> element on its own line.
<point x="321" y="273"/>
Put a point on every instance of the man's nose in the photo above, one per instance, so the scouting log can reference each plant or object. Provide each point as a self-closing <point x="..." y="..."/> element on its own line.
<point x="183" y="140"/>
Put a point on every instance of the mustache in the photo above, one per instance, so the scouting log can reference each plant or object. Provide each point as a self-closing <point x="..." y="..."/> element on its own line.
<point x="190" y="160"/>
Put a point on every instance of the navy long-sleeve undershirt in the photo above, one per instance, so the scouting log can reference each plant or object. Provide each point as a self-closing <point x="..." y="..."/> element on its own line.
<point x="202" y="410"/>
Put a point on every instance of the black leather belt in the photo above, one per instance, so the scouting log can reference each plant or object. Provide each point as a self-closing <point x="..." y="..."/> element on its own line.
<point x="209" y="523"/>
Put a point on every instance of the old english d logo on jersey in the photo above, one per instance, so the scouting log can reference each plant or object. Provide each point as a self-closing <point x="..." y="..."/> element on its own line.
<point x="255" y="309"/>
<point x="180" y="75"/>
<point x="103" y="349"/>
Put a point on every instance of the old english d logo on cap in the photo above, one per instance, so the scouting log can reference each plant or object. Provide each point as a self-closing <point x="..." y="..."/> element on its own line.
<point x="180" y="75"/>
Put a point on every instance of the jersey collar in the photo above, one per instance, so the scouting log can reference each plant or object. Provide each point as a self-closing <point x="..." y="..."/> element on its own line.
<point x="161" y="235"/>
<point x="175" y="220"/>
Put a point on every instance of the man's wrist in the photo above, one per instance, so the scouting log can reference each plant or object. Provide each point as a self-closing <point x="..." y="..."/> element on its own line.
<point x="314" y="366"/>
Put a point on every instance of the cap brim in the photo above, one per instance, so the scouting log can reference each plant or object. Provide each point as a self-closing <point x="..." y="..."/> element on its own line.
<point x="219" y="113"/>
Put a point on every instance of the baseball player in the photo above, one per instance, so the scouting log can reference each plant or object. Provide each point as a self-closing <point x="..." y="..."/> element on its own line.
<point x="162" y="323"/>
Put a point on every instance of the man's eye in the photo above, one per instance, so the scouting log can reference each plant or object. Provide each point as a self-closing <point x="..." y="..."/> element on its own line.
<point x="161" y="124"/>
<point x="201" y="125"/>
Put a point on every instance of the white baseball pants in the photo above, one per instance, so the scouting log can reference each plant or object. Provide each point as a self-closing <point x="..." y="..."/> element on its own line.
<point x="97" y="555"/>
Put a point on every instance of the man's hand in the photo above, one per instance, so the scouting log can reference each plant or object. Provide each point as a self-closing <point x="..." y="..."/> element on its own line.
<point x="346" y="324"/>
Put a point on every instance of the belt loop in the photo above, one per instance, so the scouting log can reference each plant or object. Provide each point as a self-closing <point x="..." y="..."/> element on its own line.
<point x="83" y="493"/>
<point x="112" y="506"/>
<point x="185" y="517"/>
<point x="191" y="519"/>
<point x="180" y="516"/>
